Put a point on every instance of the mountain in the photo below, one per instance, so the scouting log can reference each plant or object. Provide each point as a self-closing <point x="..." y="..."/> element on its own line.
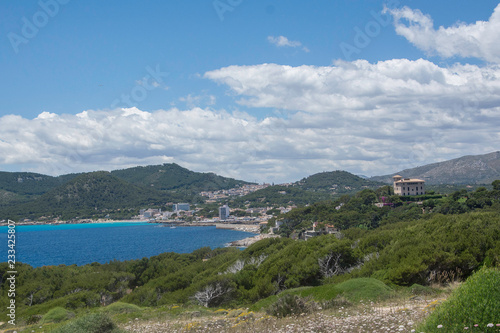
<point x="19" y="187"/>
<point x="88" y="194"/>
<point x="96" y="194"/>
<point x="29" y="183"/>
<point x="472" y="169"/>
<point x="336" y="182"/>
<point x="174" y="177"/>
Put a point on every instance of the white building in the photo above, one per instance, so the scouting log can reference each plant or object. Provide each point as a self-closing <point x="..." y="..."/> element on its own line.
<point x="223" y="212"/>
<point x="181" y="206"/>
<point x="408" y="186"/>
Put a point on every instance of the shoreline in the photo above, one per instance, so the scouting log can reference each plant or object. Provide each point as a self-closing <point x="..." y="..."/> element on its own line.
<point x="246" y="242"/>
<point x="65" y="223"/>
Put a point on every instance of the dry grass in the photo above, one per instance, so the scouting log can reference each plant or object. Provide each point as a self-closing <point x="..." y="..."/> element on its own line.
<point x="387" y="317"/>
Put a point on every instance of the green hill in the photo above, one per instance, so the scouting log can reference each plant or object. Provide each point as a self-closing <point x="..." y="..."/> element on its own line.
<point x="9" y="198"/>
<point x="96" y="194"/>
<point x="336" y="182"/>
<point x="278" y="195"/>
<point x="174" y="177"/>
<point x="29" y="183"/>
<point x="318" y="187"/>
<point x="89" y="194"/>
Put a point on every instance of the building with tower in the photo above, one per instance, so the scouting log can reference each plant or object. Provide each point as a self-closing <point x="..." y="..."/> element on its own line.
<point x="408" y="186"/>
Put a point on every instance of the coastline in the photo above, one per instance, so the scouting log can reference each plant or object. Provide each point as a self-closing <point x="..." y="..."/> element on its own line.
<point x="246" y="242"/>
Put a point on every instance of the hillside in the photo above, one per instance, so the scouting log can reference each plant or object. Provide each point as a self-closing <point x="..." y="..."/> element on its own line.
<point x="336" y="182"/>
<point x="318" y="187"/>
<point x="174" y="177"/>
<point x="32" y="195"/>
<point x="472" y="169"/>
<point x="278" y="195"/>
<point x="94" y="193"/>
<point x="29" y="183"/>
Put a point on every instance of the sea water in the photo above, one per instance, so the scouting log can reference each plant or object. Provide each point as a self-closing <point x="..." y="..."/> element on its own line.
<point x="81" y="244"/>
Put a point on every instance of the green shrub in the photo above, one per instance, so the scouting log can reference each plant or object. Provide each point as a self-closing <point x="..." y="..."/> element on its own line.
<point x="320" y="293"/>
<point x="263" y="303"/>
<point x="57" y="315"/>
<point x="33" y="319"/>
<point x="419" y="290"/>
<point x="366" y="289"/>
<point x="289" y="304"/>
<point x="91" y="323"/>
<point x="476" y="302"/>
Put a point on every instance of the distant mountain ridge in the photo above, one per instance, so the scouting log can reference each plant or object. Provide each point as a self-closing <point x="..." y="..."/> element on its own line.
<point x="471" y="169"/>
<point x="174" y="177"/>
<point x="85" y="195"/>
<point x="31" y="195"/>
<point x="118" y="193"/>
<point x="160" y="177"/>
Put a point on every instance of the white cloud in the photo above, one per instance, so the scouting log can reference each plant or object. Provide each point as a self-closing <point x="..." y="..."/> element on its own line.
<point x="390" y="114"/>
<point x="282" y="41"/>
<point x="477" y="40"/>
<point x="355" y="116"/>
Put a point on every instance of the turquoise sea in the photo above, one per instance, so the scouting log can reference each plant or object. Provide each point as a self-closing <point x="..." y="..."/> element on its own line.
<point x="102" y="242"/>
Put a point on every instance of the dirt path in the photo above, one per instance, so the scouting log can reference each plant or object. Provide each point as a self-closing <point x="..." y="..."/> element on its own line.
<point x="400" y="317"/>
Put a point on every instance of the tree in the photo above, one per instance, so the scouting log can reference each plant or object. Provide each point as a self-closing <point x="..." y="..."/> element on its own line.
<point x="330" y="266"/>
<point x="211" y="293"/>
<point x="496" y="185"/>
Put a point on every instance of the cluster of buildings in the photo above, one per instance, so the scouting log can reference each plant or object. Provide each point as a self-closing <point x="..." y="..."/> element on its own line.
<point x="225" y="214"/>
<point x="239" y="191"/>
<point x="157" y="214"/>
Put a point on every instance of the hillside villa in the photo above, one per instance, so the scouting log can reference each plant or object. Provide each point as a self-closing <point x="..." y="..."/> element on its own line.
<point x="408" y="186"/>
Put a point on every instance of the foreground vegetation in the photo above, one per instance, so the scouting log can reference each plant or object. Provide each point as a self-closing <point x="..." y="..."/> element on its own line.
<point x="357" y="305"/>
<point x="410" y="249"/>
<point x="444" y="247"/>
<point x="475" y="306"/>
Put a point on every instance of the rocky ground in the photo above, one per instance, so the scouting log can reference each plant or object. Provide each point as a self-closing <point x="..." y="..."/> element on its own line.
<point x="250" y="240"/>
<point x="361" y="318"/>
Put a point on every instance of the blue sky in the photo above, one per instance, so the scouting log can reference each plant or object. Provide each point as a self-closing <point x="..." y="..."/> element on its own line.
<point x="256" y="90"/>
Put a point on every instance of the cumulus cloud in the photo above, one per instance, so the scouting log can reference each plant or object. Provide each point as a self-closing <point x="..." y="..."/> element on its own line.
<point x="282" y="41"/>
<point x="477" y="40"/>
<point x="369" y="118"/>
<point x="398" y="112"/>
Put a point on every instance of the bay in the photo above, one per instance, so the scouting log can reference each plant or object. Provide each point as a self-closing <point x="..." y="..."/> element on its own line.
<point x="102" y="242"/>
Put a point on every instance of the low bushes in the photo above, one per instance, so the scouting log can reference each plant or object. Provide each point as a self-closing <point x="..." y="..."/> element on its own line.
<point x="91" y="323"/>
<point x="476" y="302"/>
<point x="57" y="315"/>
<point x="289" y="304"/>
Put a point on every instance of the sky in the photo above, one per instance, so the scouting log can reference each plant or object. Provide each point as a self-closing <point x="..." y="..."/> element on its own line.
<point x="261" y="90"/>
